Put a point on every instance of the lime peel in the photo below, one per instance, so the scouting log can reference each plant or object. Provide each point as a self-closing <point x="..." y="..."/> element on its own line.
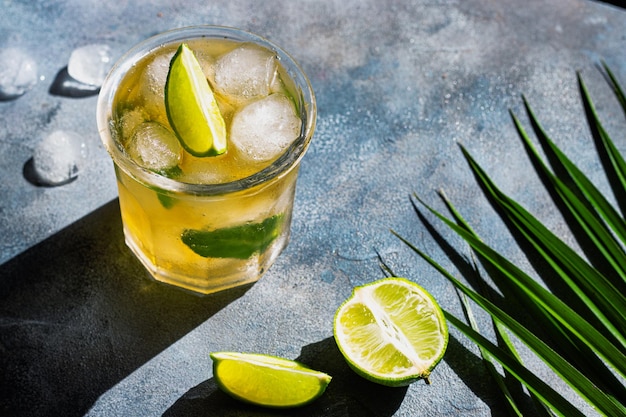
<point x="191" y="107"/>
<point x="266" y="380"/>
<point x="391" y="331"/>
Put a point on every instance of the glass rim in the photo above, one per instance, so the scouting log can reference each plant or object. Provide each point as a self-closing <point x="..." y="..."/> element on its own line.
<point x="289" y="159"/>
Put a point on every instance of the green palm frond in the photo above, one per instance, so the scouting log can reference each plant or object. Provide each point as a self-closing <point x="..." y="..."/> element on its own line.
<point x="576" y="322"/>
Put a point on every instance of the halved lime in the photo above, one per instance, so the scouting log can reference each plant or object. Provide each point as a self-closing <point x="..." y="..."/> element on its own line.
<point x="391" y="331"/>
<point x="191" y="107"/>
<point x="267" y="380"/>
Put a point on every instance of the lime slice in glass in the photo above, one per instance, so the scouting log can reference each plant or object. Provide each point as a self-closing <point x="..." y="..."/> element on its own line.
<point x="191" y="107"/>
<point x="267" y="380"/>
<point x="391" y="331"/>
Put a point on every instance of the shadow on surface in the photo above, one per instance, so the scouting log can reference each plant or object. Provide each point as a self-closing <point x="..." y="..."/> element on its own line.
<point x="347" y="394"/>
<point x="78" y="315"/>
<point x="616" y="3"/>
<point x="471" y="369"/>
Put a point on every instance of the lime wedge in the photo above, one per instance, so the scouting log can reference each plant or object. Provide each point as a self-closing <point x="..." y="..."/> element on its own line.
<point x="191" y="107"/>
<point x="267" y="380"/>
<point x="391" y="331"/>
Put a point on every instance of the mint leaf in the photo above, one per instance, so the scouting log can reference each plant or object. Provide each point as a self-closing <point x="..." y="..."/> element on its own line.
<point x="172" y="172"/>
<point x="238" y="242"/>
<point x="165" y="200"/>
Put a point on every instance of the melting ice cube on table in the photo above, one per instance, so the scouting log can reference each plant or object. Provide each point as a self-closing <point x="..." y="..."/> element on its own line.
<point x="154" y="147"/>
<point x="90" y="64"/>
<point x="246" y="72"/>
<point x="58" y="157"/>
<point x="264" y="129"/>
<point x="18" y="73"/>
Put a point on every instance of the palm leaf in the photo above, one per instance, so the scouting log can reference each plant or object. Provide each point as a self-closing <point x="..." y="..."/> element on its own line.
<point x="513" y="408"/>
<point x="489" y="360"/>
<point x="570" y="374"/>
<point x="582" y="335"/>
<point x="584" y="187"/>
<point x="549" y="326"/>
<point x="614" y="84"/>
<point x="539" y="388"/>
<point x="614" y="164"/>
<point x="554" y="334"/>
<point x="596" y="293"/>
<point x="557" y="308"/>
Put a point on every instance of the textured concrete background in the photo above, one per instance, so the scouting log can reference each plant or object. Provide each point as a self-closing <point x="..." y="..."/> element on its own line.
<point x="398" y="83"/>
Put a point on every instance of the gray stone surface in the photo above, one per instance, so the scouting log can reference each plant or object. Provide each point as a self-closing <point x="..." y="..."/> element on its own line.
<point x="398" y="83"/>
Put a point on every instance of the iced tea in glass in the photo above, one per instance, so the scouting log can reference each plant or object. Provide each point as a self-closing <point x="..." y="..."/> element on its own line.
<point x="208" y="223"/>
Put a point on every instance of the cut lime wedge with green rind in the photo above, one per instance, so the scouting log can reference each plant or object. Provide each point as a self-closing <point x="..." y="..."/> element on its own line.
<point x="391" y="331"/>
<point x="239" y="242"/>
<point x="267" y="380"/>
<point x="191" y="107"/>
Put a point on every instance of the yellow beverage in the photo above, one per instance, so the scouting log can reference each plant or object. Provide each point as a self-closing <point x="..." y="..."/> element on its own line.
<point x="213" y="222"/>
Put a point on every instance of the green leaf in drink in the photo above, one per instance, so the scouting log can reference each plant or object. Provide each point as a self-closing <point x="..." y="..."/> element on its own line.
<point x="166" y="200"/>
<point x="171" y="172"/>
<point x="239" y="242"/>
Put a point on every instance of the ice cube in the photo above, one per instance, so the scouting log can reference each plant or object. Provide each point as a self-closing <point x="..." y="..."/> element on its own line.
<point x="58" y="157"/>
<point x="207" y="63"/>
<point x="90" y="64"/>
<point x="129" y="120"/>
<point x="153" y="85"/>
<point x="263" y="129"/>
<point x="154" y="147"/>
<point x="246" y="72"/>
<point x="155" y="74"/>
<point x="214" y="170"/>
<point x="18" y="73"/>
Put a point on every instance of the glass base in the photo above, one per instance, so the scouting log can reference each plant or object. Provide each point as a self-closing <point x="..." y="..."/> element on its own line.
<point x="220" y="274"/>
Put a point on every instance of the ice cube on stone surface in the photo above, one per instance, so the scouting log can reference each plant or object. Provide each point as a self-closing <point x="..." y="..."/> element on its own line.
<point x="90" y="64"/>
<point x="58" y="157"/>
<point x="18" y="73"/>
<point x="246" y="72"/>
<point x="263" y="129"/>
<point x="154" y="147"/>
